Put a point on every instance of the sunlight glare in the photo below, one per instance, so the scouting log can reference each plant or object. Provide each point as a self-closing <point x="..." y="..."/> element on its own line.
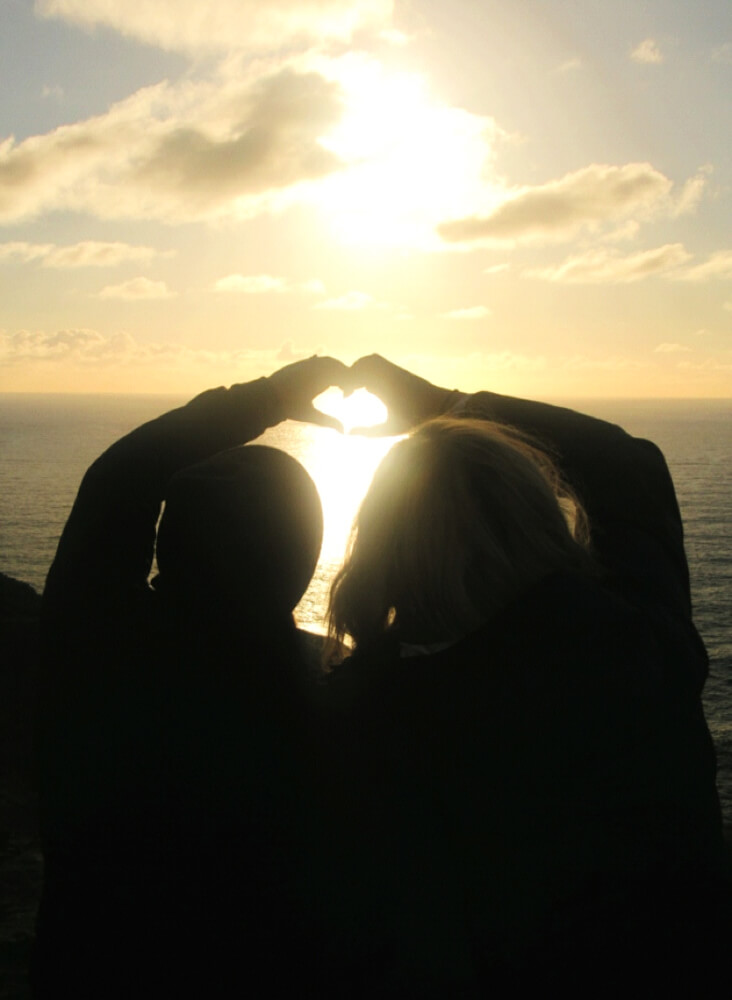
<point x="342" y="467"/>
<point x="413" y="162"/>
<point x="360" y="409"/>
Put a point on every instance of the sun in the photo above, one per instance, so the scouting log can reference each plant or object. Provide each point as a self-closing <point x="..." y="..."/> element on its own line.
<point x="411" y="162"/>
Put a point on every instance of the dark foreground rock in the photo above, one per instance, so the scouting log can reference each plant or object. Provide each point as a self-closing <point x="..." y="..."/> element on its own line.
<point x="20" y="855"/>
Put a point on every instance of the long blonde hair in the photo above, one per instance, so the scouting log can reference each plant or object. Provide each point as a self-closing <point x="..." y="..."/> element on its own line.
<point x="460" y="518"/>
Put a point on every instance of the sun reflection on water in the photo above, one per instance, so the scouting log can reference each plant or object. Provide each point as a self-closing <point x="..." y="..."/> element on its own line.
<point x="342" y="467"/>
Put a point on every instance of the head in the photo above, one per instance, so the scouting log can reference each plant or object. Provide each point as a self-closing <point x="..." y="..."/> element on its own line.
<point x="461" y="517"/>
<point x="241" y="532"/>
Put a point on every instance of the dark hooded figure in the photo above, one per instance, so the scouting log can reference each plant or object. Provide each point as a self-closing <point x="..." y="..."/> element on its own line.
<point x="527" y="771"/>
<point x="173" y="716"/>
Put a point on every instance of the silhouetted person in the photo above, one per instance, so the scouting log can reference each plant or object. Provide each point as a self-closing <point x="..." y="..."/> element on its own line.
<point x="174" y="716"/>
<point x="525" y="769"/>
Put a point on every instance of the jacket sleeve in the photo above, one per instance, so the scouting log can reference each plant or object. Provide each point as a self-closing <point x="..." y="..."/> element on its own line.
<point x="106" y="548"/>
<point x="625" y="487"/>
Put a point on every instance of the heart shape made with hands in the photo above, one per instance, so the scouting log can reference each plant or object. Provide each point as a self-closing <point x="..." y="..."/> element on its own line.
<point x="360" y="408"/>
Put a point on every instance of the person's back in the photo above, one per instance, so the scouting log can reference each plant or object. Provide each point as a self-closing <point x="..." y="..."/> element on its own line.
<point x="173" y="717"/>
<point x="532" y="769"/>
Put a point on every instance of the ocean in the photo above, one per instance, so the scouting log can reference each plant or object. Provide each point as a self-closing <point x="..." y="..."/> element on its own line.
<point x="48" y="441"/>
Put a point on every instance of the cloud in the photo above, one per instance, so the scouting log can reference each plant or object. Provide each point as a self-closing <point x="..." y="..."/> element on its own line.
<point x="136" y="289"/>
<point x="719" y="265"/>
<point x="287" y="353"/>
<point x="728" y="306"/>
<point x="496" y="268"/>
<point x="25" y="251"/>
<point x="224" y="25"/>
<point x="606" y="266"/>
<point x="392" y="36"/>
<point x="259" y="284"/>
<point x="88" y="253"/>
<point x="625" y="231"/>
<point x="570" y="66"/>
<point x="251" y="284"/>
<point x="668" y="348"/>
<point x="559" y="209"/>
<point x="56" y="92"/>
<point x="350" y="302"/>
<point x="722" y="53"/>
<point x="277" y="147"/>
<point x="63" y="345"/>
<point x="692" y="192"/>
<point x="229" y="146"/>
<point x="313" y="286"/>
<point x="343" y="133"/>
<point x="471" y="312"/>
<point x="647" y="52"/>
<point x="67" y="350"/>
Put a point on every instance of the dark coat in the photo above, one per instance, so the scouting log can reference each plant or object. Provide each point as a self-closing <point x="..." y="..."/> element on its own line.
<point x="170" y="747"/>
<point x="537" y="802"/>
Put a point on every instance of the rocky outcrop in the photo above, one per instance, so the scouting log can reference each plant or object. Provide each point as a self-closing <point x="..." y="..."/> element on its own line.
<point x="20" y="854"/>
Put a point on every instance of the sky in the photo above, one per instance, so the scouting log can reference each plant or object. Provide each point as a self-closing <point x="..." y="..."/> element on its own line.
<point x="528" y="196"/>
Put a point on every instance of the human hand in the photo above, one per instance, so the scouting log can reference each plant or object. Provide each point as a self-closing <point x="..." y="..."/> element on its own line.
<point x="297" y="385"/>
<point x="408" y="398"/>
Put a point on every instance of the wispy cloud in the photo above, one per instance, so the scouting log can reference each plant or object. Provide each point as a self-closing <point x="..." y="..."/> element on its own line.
<point x="137" y="289"/>
<point x="722" y="53"/>
<point x="63" y="345"/>
<point x="496" y="268"/>
<point x="718" y="265"/>
<point x="394" y="37"/>
<point x="88" y="253"/>
<point x="470" y="312"/>
<point x="192" y="26"/>
<point x="287" y="353"/>
<point x="91" y="253"/>
<point x="25" y="251"/>
<point x="671" y="348"/>
<point x="260" y="284"/>
<point x="558" y="210"/>
<point x="607" y="266"/>
<point x="55" y="92"/>
<point x="692" y="192"/>
<point x="648" y="51"/>
<point x="351" y="301"/>
<point x="250" y="284"/>
<point x="80" y="348"/>
<point x="570" y="66"/>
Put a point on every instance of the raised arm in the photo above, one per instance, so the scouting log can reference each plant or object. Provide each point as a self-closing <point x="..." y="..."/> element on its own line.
<point x="622" y="481"/>
<point x="106" y="548"/>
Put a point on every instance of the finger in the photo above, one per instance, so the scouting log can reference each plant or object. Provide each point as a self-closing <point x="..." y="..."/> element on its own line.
<point x="316" y="416"/>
